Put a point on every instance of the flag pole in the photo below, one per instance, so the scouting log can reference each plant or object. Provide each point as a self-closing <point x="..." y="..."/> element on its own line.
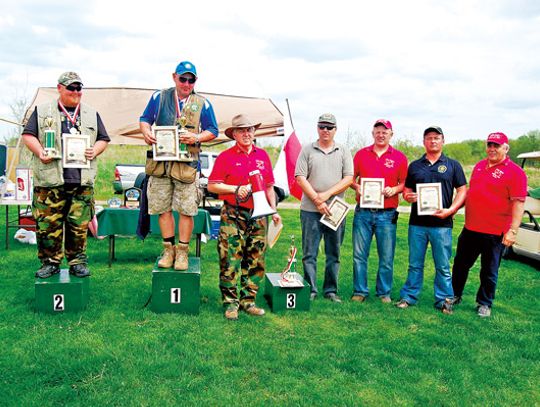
<point x="289" y="110"/>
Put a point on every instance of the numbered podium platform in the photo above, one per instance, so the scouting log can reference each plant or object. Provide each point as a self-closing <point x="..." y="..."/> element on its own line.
<point x="62" y="293"/>
<point x="286" y="298"/>
<point x="177" y="291"/>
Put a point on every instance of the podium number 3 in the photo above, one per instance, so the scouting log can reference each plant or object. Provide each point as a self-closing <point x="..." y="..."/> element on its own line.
<point x="291" y="300"/>
<point x="58" y="302"/>
<point x="175" y="295"/>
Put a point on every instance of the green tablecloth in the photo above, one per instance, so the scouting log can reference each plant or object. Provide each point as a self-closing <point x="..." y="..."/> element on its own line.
<point x="123" y="221"/>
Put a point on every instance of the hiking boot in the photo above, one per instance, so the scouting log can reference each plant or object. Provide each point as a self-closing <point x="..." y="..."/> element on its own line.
<point x="484" y="311"/>
<point x="333" y="297"/>
<point x="456" y="300"/>
<point x="254" y="310"/>
<point x="386" y="299"/>
<point x="358" y="298"/>
<point x="181" y="260"/>
<point x="47" y="270"/>
<point x="402" y="304"/>
<point x="167" y="257"/>
<point x="231" y="313"/>
<point x="312" y="296"/>
<point x="79" y="270"/>
<point x="446" y="307"/>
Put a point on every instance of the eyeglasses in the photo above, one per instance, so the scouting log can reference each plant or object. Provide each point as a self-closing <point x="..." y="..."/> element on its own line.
<point x="243" y="130"/>
<point x="183" y="79"/>
<point x="73" y="88"/>
<point x="323" y="127"/>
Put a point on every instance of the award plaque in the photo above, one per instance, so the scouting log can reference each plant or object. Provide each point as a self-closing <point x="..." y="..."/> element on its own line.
<point x="74" y="147"/>
<point x="132" y="197"/>
<point x="114" y="202"/>
<point x="372" y="193"/>
<point x="429" y="198"/>
<point x="338" y="211"/>
<point x="166" y="146"/>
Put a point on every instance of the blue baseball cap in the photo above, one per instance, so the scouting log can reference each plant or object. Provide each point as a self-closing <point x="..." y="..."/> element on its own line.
<point x="186" y="67"/>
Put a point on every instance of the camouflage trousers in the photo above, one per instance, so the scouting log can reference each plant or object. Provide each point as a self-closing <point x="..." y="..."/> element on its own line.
<point x="241" y="244"/>
<point x="62" y="215"/>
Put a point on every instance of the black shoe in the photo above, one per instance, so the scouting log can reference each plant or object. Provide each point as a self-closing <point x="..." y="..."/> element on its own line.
<point x="47" y="270"/>
<point x="79" y="270"/>
<point x="446" y="307"/>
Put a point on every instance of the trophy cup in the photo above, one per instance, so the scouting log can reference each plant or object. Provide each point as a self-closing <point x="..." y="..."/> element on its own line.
<point x="183" y="153"/>
<point x="289" y="277"/>
<point x="50" y="138"/>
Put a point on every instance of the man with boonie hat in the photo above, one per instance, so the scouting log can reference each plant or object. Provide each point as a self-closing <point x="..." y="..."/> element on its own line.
<point x="242" y="240"/>
<point x="493" y="212"/>
<point x="173" y="184"/>
<point x="324" y="169"/>
<point x="63" y="199"/>
<point x="435" y="229"/>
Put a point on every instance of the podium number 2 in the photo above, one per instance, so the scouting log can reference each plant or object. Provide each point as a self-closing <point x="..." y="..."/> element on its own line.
<point x="291" y="300"/>
<point x="175" y="295"/>
<point x="58" y="302"/>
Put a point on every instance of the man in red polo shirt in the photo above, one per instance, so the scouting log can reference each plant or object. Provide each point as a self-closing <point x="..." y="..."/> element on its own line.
<point x="242" y="240"/>
<point x="493" y="212"/>
<point x="379" y="160"/>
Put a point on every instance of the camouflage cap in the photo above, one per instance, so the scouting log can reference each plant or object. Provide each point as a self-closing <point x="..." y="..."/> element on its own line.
<point x="67" y="78"/>
<point x="327" y="118"/>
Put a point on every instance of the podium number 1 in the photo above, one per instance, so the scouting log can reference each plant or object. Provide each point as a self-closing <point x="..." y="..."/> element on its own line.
<point x="58" y="302"/>
<point x="176" y="295"/>
<point x="291" y="300"/>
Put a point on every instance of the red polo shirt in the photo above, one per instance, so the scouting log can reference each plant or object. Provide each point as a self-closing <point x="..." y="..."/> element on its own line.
<point x="232" y="167"/>
<point x="392" y="166"/>
<point x="488" y="208"/>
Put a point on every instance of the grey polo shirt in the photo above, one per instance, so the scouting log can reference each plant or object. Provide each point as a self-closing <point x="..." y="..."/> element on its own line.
<point x="322" y="170"/>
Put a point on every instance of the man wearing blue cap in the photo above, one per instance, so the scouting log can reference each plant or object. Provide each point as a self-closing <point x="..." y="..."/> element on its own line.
<point x="172" y="184"/>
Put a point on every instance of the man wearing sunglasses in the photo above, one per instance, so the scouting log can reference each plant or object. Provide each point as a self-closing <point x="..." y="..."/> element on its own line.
<point x="173" y="185"/>
<point x="324" y="170"/>
<point x="493" y="212"/>
<point x="63" y="200"/>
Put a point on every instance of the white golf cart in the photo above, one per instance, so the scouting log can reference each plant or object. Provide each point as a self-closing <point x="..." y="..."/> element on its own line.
<point x="528" y="236"/>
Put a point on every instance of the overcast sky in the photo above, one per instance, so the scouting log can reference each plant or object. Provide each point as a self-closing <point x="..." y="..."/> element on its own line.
<point x="472" y="67"/>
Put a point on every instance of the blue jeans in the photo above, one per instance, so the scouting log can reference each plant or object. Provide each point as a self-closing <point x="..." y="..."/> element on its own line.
<point x="312" y="232"/>
<point x="366" y="223"/>
<point x="441" y="247"/>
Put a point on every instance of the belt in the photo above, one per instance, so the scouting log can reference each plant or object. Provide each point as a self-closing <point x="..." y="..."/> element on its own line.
<point x="377" y="209"/>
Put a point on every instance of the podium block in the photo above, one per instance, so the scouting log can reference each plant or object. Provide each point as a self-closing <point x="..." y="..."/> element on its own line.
<point x="286" y="298"/>
<point x="177" y="291"/>
<point x="62" y="293"/>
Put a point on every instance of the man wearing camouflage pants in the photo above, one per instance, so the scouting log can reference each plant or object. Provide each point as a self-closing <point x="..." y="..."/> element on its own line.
<point x="63" y="202"/>
<point x="242" y="240"/>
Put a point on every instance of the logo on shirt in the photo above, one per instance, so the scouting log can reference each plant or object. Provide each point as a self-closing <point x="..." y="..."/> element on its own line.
<point x="259" y="164"/>
<point x="442" y="169"/>
<point x="497" y="174"/>
<point x="194" y="107"/>
<point x="388" y="163"/>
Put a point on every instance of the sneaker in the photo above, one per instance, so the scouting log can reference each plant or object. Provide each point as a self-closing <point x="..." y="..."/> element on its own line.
<point x="231" y="314"/>
<point x="254" y="310"/>
<point x="79" y="270"/>
<point x="456" y="300"/>
<point x="312" y="296"/>
<point x="484" y="311"/>
<point x="333" y="297"/>
<point x="47" y="270"/>
<point x="358" y="298"/>
<point x="402" y="304"/>
<point x="386" y="300"/>
<point x="446" y="307"/>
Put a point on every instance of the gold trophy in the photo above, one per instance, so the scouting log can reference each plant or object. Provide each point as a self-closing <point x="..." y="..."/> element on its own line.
<point x="289" y="276"/>
<point x="183" y="153"/>
<point x="50" y="139"/>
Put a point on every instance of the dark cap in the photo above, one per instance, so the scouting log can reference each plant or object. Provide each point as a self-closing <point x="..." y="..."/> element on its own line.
<point x="436" y="129"/>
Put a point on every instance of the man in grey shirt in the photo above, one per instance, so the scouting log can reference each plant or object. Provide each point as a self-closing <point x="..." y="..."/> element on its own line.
<point x="324" y="169"/>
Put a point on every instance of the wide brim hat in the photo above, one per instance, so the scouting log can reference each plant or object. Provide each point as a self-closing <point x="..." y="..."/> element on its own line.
<point x="240" y="121"/>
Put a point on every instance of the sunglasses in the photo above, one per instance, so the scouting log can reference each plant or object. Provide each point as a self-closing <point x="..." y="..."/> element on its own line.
<point x="73" y="88"/>
<point x="323" y="127"/>
<point x="183" y="79"/>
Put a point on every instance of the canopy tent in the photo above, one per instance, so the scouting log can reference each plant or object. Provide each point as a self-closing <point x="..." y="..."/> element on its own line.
<point x="120" y="109"/>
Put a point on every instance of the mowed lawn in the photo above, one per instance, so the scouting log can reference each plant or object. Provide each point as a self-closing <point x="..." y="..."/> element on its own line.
<point x="119" y="353"/>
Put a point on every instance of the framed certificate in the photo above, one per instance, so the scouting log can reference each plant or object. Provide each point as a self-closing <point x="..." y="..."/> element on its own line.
<point x="429" y="198"/>
<point x="73" y="148"/>
<point x="372" y="193"/>
<point x="167" y="143"/>
<point x="338" y="209"/>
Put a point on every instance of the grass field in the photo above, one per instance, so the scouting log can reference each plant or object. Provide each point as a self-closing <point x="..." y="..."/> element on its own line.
<point x="119" y="353"/>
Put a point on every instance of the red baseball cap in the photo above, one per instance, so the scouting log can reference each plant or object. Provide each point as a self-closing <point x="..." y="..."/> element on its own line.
<point x="384" y="122"/>
<point x="498" y="138"/>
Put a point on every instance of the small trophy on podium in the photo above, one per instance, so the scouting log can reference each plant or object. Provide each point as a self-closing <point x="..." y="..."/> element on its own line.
<point x="289" y="276"/>
<point x="183" y="153"/>
<point x="50" y="139"/>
